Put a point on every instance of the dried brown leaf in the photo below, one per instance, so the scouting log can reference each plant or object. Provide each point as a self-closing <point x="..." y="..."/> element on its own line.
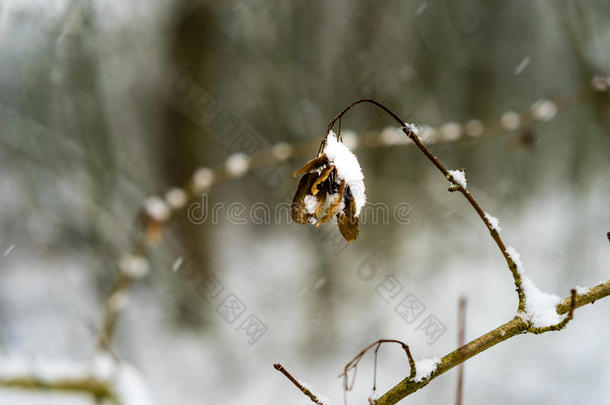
<point x="348" y="221"/>
<point x="298" y="211"/>
<point x="323" y="176"/>
<point x="333" y="207"/>
<point x="311" y="165"/>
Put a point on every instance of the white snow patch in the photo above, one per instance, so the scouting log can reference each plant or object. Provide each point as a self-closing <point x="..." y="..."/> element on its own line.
<point x="176" y="198"/>
<point x="425" y="368"/>
<point x="459" y="176"/>
<point x="237" y="164"/>
<point x="202" y="179"/>
<point x="494" y="222"/>
<point x="311" y="202"/>
<point x="130" y="387"/>
<point x="411" y="127"/>
<point x="539" y="306"/>
<point x="581" y="290"/>
<point x="544" y="110"/>
<point x="134" y="266"/>
<point x="348" y="168"/>
<point x="156" y="208"/>
<point x="510" y="120"/>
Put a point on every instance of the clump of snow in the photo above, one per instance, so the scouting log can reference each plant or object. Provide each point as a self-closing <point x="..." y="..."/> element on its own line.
<point x="581" y="290"/>
<point x="425" y="368"/>
<point x="130" y="387"/>
<point x="103" y="366"/>
<point x="348" y="168"/>
<point x="494" y="222"/>
<point x="451" y="131"/>
<point x="544" y="110"/>
<point x="176" y="198"/>
<point x="502" y="332"/>
<point x="412" y="127"/>
<point x="311" y="202"/>
<point x="202" y="179"/>
<point x="510" y="120"/>
<point x="474" y="128"/>
<point x="282" y="150"/>
<point x="459" y="176"/>
<point x="540" y="307"/>
<point x="134" y="266"/>
<point x="516" y="258"/>
<point x="156" y="209"/>
<point x="237" y="164"/>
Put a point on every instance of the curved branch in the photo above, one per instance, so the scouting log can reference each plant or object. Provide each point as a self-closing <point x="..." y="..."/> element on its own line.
<point x="456" y="186"/>
<point x="515" y="326"/>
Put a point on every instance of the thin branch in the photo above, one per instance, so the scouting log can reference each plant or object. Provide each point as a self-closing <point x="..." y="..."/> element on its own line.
<point x="90" y="386"/>
<point x="112" y="305"/>
<point x="269" y="157"/>
<point x="461" y="341"/>
<point x="514" y="327"/>
<point x="456" y="186"/>
<point x="304" y="390"/>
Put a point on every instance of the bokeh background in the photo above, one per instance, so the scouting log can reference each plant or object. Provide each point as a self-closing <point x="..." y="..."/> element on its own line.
<point x="98" y="114"/>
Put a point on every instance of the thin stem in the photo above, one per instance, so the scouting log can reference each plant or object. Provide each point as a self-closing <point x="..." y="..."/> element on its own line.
<point x="456" y="186"/>
<point x="293" y="380"/>
<point x="461" y="341"/>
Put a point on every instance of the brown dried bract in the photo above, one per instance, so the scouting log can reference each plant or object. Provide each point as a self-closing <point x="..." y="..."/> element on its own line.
<point x="320" y="182"/>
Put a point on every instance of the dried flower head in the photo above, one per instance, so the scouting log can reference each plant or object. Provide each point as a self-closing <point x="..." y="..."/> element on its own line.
<point x="331" y="185"/>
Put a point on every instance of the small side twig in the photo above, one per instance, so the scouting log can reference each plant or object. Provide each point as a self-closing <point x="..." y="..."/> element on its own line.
<point x="353" y="365"/>
<point x="300" y="386"/>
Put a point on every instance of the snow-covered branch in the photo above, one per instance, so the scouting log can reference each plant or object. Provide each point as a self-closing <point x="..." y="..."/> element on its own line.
<point x="103" y="378"/>
<point x="514" y="327"/>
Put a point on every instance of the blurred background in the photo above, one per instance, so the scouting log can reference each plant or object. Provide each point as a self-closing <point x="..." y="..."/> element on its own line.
<point x="105" y="104"/>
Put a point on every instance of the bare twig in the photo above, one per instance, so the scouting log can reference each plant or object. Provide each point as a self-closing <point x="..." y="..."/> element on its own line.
<point x="304" y="390"/>
<point x="353" y="364"/>
<point x="456" y="186"/>
<point x="461" y="341"/>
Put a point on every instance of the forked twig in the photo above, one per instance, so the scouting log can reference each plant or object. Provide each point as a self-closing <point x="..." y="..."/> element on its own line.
<point x="353" y="365"/>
